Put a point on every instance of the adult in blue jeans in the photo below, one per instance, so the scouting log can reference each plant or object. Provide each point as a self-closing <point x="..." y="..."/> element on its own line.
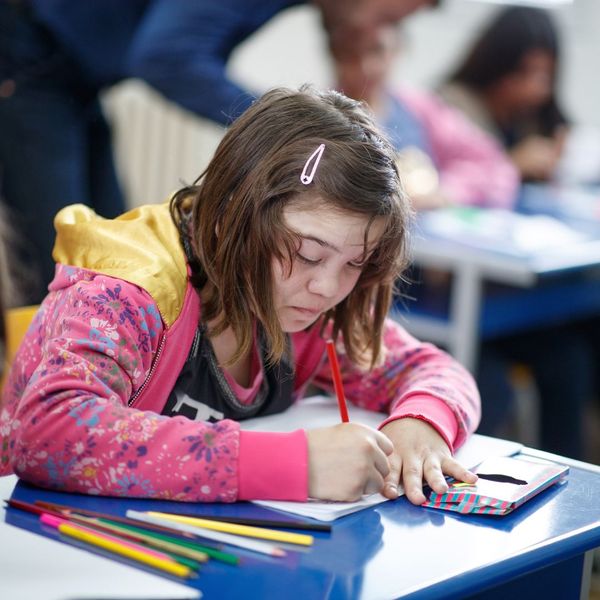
<point x="56" y="56"/>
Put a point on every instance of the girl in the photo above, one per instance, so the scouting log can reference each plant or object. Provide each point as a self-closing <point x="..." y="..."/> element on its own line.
<point x="167" y="325"/>
<point x="507" y="85"/>
<point x="443" y="157"/>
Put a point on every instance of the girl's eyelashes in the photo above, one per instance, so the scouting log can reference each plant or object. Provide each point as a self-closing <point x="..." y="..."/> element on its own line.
<point x="361" y="262"/>
<point x="307" y="261"/>
<point x="310" y="261"/>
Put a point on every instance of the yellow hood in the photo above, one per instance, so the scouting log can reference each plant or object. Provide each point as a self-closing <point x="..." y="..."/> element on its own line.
<point x="141" y="246"/>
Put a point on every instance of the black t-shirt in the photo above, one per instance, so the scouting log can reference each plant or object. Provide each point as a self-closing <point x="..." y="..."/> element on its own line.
<point x="202" y="393"/>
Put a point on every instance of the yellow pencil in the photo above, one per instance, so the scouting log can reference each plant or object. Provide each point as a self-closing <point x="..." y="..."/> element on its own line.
<point x="245" y="530"/>
<point x="141" y="536"/>
<point x="83" y="535"/>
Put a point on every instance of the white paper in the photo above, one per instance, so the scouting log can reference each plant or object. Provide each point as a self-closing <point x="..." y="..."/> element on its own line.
<point x="321" y="411"/>
<point x="324" y="511"/>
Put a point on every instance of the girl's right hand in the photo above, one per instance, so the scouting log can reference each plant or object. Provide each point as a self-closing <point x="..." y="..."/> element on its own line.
<point x="346" y="461"/>
<point x="537" y="157"/>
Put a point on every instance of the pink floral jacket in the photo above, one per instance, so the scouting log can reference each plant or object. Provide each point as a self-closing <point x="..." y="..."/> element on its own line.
<point x="82" y="402"/>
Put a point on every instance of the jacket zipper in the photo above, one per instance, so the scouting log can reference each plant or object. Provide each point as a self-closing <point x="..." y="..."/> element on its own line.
<point x="154" y="363"/>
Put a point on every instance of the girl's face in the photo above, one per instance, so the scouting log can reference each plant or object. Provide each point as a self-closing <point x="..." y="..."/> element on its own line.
<point x="327" y="264"/>
<point x="531" y="85"/>
<point x="362" y="74"/>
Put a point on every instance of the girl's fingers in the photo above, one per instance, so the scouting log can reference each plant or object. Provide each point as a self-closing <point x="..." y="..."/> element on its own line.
<point x="412" y="479"/>
<point x="384" y="442"/>
<point x="382" y="463"/>
<point x="455" y="469"/>
<point x="374" y="484"/>
<point x="432" y="471"/>
<point x="390" y="484"/>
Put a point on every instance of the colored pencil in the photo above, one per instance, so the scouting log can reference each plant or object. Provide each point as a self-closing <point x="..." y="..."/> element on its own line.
<point x="185" y="556"/>
<point x="32" y="508"/>
<point x="61" y="508"/>
<point x="271" y="523"/>
<point x="186" y="541"/>
<point x="117" y="546"/>
<point x="193" y="547"/>
<point x="226" y="538"/>
<point x="244" y="530"/>
<point x="337" y="381"/>
<point x="181" y="537"/>
<point x="54" y="522"/>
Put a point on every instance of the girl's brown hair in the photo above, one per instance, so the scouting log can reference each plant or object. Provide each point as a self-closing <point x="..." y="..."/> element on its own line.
<point x="232" y="217"/>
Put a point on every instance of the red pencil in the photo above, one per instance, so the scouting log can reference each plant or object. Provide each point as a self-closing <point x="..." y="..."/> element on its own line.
<point x="337" y="381"/>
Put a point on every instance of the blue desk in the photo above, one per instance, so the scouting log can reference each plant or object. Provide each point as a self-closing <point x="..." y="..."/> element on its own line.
<point x="398" y="550"/>
<point x="533" y="287"/>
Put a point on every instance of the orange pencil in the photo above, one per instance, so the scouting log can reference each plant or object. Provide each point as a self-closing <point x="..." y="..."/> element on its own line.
<point x="337" y="381"/>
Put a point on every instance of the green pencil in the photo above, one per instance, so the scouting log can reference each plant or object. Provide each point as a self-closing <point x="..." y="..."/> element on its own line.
<point x="186" y="556"/>
<point x="212" y="552"/>
<point x="155" y="530"/>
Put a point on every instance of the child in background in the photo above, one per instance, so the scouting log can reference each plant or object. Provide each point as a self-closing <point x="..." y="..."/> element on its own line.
<point x="452" y="161"/>
<point x="507" y="86"/>
<point x="167" y="325"/>
<point x="443" y="158"/>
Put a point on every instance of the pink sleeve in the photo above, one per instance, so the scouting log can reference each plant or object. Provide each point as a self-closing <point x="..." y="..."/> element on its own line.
<point x="67" y="402"/>
<point x="431" y="410"/>
<point x="415" y="379"/>
<point x="474" y="169"/>
<point x="262" y="476"/>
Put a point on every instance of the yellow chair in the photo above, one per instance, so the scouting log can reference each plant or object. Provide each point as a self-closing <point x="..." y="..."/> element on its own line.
<point x="16" y="322"/>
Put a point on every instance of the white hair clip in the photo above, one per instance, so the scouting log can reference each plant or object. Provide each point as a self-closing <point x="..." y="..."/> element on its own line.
<point x="316" y="155"/>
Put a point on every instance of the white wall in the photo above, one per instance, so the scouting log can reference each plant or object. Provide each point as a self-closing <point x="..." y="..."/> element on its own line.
<point x="172" y="146"/>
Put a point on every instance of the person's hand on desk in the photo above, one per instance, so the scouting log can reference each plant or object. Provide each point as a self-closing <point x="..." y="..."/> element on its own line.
<point x="537" y="157"/>
<point x="420" y="453"/>
<point x="346" y="461"/>
<point x="421" y="180"/>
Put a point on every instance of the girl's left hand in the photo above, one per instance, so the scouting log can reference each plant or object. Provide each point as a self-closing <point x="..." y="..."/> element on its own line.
<point x="420" y="454"/>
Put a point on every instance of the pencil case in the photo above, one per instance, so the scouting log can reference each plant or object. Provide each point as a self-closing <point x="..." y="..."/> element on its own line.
<point x="504" y="484"/>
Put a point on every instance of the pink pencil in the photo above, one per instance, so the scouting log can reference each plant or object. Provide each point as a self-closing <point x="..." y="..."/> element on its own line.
<point x="337" y="381"/>
<point x="55" y="522"/>
<point x="118" y="546"/>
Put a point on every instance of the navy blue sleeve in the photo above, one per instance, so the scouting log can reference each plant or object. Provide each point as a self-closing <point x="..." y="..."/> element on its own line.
<point x="181" y="48"/>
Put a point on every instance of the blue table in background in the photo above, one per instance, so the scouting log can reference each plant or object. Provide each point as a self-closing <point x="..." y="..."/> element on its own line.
<point x="529" y="288"/>
<point x="397" y="550"/>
